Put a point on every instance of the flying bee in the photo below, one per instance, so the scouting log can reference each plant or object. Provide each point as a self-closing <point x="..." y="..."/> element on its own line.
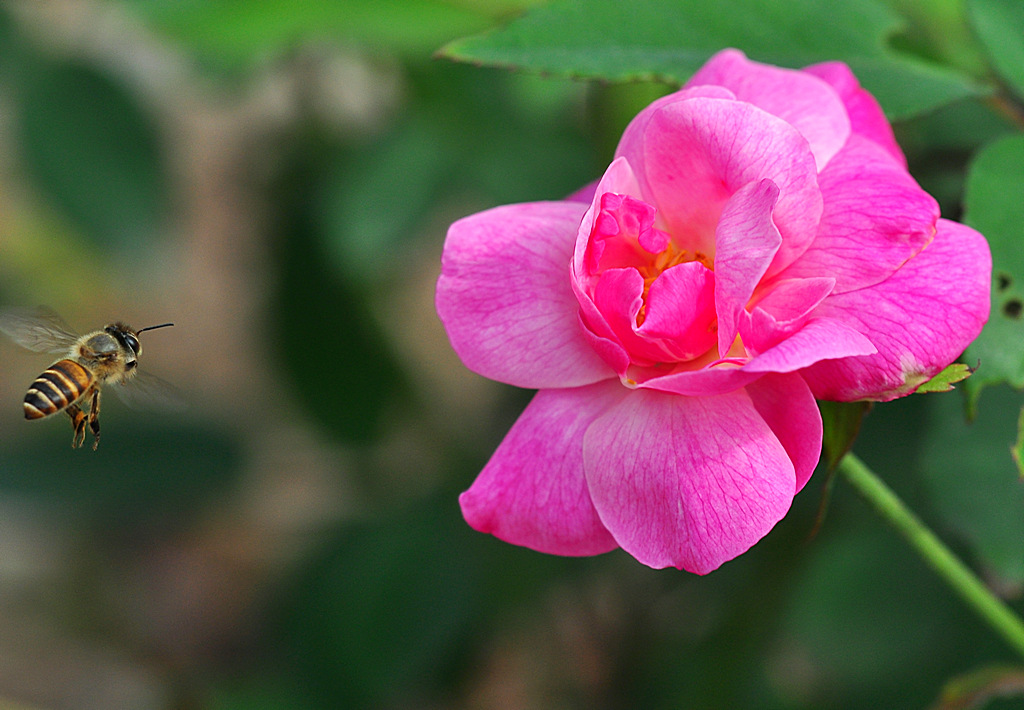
<point x="108" y="356"/>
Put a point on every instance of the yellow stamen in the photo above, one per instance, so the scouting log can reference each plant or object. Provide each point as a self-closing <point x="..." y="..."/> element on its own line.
<point x="669" y="257"/>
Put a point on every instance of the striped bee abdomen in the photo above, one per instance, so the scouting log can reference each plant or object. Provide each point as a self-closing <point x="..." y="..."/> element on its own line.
<point x="61" y="384"/>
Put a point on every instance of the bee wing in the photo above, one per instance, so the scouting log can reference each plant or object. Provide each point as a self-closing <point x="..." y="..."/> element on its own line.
<point x="39" y="329"/>
<point x="145" y="391"/>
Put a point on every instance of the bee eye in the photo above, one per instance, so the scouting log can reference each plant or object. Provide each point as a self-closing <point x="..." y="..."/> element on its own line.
<point x="132" y="342"/>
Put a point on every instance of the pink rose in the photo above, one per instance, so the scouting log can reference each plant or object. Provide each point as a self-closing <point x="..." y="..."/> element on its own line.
<point x="757" y="243"/>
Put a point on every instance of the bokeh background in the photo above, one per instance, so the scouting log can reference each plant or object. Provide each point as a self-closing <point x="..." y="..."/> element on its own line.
<point x="276" y="178"/>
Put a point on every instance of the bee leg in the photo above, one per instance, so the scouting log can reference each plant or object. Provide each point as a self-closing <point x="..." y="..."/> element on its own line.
<point x="78" y="424"/>
<point x="94" y="418"/>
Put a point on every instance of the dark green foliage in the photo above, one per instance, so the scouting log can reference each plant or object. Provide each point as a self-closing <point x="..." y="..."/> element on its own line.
<point x="370" y="591"/>
<point x="94" y="151"/>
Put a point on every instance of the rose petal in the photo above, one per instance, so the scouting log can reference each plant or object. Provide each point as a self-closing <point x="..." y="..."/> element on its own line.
<point x="533" y="492"/>
<point x="584" y="194"/>
<point x="618" y="297"/>
<point x="866" y="116"/>
<point x="681" y="311"/>
<point x="634" y="137"/>
<point x="746" y="241"/>
<point x="803" y="100"/>
<point x="876" y="217"/>
<point x="618" y="179"/>
<point x="706" y="381"/>
<point x="598" y="332"/>
<point x="820" y="339"/>
<point x="690" y="160"/>
<point x="687" y="482"/>
<point x="788" y="407"/>
<point x="782" y="311"/>
<point x="920" y="319"/>
<point x="505" y="299"/>
<point x="787" y="299"/>
<point x="607" y="348"/>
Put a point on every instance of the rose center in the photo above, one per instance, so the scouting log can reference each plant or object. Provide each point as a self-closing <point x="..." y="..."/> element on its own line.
<point x="624" y="237"/>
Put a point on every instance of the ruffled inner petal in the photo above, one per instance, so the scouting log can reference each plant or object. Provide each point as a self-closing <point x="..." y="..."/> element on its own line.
<point x="680" y="311"/>
<point x="698" y="153"/>
<point x="746" y="242"/>
<point x="617" y="179"/>
<point x="783" y="310"/>
<point x="819" y="339"/>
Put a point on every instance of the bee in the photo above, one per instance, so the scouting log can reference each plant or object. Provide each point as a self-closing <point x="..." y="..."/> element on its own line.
<point x="107" y="356"/>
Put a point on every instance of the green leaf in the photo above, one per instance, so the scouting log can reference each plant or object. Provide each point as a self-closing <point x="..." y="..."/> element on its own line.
<point x="669" y="39"/>
<point x="92" y="149"/>
<point x="236" y="34"/>
<point x="999" y="25"/>
<point x="944" y="381"/>
<point x="489" y="135"/>
<point x="1018" y="446"/>
<point x="907" y="88"/>
<point x="662" y="39"/>
<point x="994" y="207"/>
<point x="842" y="422"/>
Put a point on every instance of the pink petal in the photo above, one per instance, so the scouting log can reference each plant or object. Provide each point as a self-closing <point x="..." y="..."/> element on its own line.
<point x="782" y="311"/>
<point x="694" y="154"/>
<point x="787" y="299"/>
<point x="876" y="218"/>
<point x="624" y="234"/>
<point x="598" y="331"/>
<point x="505" y="297"/>
<point x="804" y="101"/>
<point x="746" y="242"/>
<point x="704" y="382"/>
<point x="920" y="319"/>
<point x="681" y="311"/>
<point x="607" y="348"/>
<point x="680" y="304"/>
<point x="632" y="141"/>
<point x="788" y="407"/>
<point x="820" y="339"/>
<point x="584" y="194"/>
<point x="687" y="482"/>
<point x="866" y="116"/>
<point x="618" y="298"/>
<point x="618" y="179"/>
<point x="533" y="492"/>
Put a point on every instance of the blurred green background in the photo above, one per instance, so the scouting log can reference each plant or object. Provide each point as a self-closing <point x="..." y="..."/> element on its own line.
<point x="277" y="178"/>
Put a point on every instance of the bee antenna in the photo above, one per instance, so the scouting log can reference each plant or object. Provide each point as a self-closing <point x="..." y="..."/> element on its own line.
<point x="153" y="327"/>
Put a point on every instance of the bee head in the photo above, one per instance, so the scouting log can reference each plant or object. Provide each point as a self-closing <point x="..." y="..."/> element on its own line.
<point x="126" y="338"/>
<point x="129" y="338"/>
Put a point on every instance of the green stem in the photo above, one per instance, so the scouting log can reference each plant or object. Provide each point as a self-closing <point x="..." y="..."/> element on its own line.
<point x="963" y="581"/>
